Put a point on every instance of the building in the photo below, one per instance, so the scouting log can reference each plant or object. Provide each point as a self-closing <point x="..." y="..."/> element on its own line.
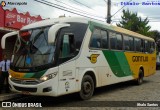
<point x="12" y="20"/>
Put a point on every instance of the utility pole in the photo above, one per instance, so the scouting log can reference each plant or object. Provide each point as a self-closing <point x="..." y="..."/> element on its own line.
<point x="108" y="2"/>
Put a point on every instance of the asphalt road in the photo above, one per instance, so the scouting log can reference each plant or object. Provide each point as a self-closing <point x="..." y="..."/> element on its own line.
<point x="122" y="96"/>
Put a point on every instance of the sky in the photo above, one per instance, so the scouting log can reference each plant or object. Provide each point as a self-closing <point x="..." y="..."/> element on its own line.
<point x="96" y="9"/>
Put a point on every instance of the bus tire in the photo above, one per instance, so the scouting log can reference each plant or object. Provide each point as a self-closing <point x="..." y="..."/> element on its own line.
<point x="139" y="81"/>
<point x="87" y="87"/>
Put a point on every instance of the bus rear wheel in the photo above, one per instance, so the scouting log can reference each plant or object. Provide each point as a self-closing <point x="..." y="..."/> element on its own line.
<point x="87" y="87"/>
<point x="139" y="81"/>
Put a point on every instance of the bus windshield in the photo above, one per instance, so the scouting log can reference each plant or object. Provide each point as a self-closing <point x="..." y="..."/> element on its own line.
<point x="32" y="48"/>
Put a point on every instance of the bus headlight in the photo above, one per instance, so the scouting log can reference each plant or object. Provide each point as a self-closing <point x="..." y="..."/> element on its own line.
<point x="48" y="76"/>
<point x="10" y="76"/>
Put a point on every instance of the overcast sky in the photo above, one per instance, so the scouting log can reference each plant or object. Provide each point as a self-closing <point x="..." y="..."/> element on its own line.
<point x="92" y="8"/>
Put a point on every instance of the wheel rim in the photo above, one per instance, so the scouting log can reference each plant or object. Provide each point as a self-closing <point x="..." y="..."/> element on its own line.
<point x="141" y="79"/>
<point x="87" y="87"/>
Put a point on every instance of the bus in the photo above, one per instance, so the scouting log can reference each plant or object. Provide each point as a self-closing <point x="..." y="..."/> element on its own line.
<point x="60" y="56"/>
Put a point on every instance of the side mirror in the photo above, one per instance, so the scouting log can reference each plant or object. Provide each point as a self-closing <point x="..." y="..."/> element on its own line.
<point x="3" y="40"/>
<point x="53" y="32"/>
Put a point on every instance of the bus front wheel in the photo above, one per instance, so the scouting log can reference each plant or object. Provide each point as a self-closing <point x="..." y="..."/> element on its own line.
<point x="139" y="81"/>
<point x="87" y="87"/>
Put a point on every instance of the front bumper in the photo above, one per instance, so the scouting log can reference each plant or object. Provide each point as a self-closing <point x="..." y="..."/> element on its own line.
<point x="44" y="88"/>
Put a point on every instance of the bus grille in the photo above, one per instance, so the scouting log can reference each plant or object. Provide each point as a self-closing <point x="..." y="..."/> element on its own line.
<point x="25" y="82"/>
<point x="25" y="89"/>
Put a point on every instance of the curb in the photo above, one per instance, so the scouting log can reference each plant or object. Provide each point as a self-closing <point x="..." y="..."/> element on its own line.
<point x="4" y="97"/>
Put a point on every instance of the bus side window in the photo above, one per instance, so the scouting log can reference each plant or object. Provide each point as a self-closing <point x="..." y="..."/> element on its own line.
<point x="142" y="46"/>
<point x="68" y="47"/>
<point x="96" y="39"/>
<point x="126" y="43"/>
<point x="147" y="47"/>
<point x="115" y="41"/>
<point x="104" y="40"/>
<point x="152" y="47"/>
<point x="119" y="42"/>
<point x="131" y="43"/>
<point x="137" y="43"/>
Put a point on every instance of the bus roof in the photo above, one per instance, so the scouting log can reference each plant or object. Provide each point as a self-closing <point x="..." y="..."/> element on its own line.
<point x="54" y="21"/>
<point x="131" y="33"/>
<point x="118" y="29"/>
<point x="85" y="21"/>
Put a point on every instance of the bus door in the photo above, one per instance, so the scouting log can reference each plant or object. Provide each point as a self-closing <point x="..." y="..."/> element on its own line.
<point x="66" y="64"/>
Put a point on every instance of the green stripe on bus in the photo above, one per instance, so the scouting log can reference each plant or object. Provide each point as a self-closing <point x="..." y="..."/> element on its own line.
<point x="118" y="63"/>
<point x="39" y="74"/>
<point x="28" y="75"/>
<point x="34" y="75"/>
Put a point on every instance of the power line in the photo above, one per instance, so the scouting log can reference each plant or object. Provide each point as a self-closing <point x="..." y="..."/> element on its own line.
<point x="82" y="4"/>
<point x="56" y="5"/>
<point x="120" y="9"/>
<point x="67" y="10"/>
<point x="75" y="7"/>
<point x="67" y="4"/>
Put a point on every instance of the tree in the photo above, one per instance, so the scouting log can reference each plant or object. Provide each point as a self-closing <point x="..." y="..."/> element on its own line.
<point x="155" y="35"/>
<point x="134" y="23"/>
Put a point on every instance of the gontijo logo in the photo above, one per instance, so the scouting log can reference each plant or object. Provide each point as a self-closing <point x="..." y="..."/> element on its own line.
<point x="140" y="58"/>
<point x="3" y="3"/>
<point x="93" y="58"/>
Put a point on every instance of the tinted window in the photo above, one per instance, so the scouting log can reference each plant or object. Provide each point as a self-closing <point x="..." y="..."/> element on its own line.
<point x="128" y="43"/>
<point x="104" y="39"/>
<point x="131" y="43"/>
<point x="115" y="41"/>
<point x="142" y="46"/>
<point x="137" y="43"/>
<point x="67" y="48"/>
<point x="96" y="39"/>
<point x="147" y="46"/>
<point x="79" y="30"/>
<point x="152" y="47"/>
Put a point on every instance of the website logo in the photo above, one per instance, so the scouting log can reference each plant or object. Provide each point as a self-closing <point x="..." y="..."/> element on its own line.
<point x="3" y="3"/>
<point x="13" y="104"/>
<point x="6" y="104"/>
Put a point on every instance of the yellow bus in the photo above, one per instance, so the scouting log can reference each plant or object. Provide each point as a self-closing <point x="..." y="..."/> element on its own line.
<point x="66" y="55"/>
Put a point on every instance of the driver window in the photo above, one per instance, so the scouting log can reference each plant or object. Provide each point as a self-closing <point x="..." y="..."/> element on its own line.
<point x="67" y="47"/>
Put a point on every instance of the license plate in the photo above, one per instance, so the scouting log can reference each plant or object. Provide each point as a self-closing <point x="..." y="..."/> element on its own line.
<point x="25" y="92"/>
